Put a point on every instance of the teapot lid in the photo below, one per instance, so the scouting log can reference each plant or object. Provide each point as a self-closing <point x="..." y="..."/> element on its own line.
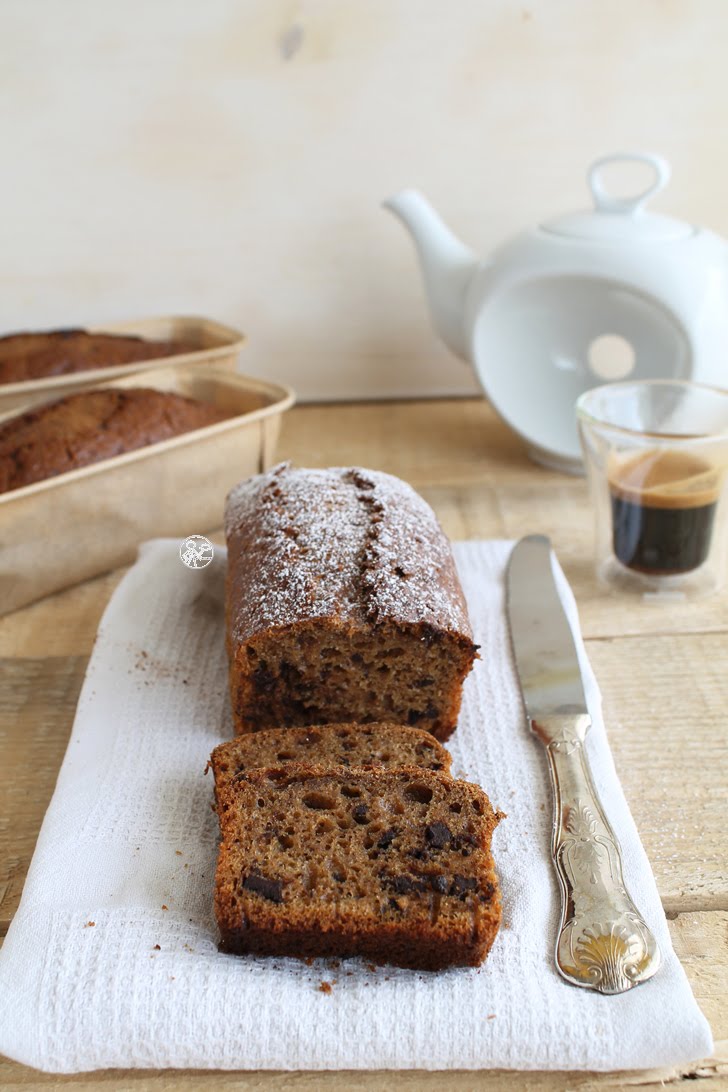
<point x="622" y="219"/>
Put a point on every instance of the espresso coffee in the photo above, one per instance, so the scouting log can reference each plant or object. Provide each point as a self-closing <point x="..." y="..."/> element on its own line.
<point x="663" y="509"/>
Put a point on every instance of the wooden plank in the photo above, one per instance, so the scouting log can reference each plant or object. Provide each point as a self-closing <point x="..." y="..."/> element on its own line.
<point x="63" y="624"/>
<point x="15" y="1078"/>
<point x="429" y="443"/>
<point x="665" y="701"/>
<point x="37" y="704"/>
<point x="701" y="944"/>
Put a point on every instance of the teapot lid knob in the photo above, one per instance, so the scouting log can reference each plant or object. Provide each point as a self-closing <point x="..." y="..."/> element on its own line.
<point x="606" y="202"/>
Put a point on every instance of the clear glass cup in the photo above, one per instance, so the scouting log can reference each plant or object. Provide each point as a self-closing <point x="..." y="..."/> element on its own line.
<point x="656" y="453"/>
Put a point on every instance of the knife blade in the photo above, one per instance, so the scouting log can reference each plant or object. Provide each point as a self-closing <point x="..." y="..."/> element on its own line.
<point x="603" y="942"/>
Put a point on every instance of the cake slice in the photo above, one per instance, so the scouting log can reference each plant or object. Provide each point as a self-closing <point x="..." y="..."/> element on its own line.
<point x="343" y="603"/>
<point x="392" y="865"/>
<point x="329" y="745"/>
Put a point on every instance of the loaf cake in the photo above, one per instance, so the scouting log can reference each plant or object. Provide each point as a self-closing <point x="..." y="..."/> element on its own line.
<point x="329" y="745"/>
<point x="391" y="865"/>
<point x="60" y="352"/>
<point x="343" y="603"/>
<point x="85" y="428"/>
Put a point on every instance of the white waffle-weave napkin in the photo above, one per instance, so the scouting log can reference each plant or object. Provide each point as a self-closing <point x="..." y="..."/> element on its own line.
<point x="111" y="959"/>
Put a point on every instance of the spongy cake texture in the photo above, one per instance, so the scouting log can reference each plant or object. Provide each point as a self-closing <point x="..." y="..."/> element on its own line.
<point x="329" y="745"/>
<point x="393" y="865"/>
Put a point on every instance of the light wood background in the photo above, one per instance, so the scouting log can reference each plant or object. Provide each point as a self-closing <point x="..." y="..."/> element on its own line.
<point x="662" y="676"/>
<point x="229" y="157"/>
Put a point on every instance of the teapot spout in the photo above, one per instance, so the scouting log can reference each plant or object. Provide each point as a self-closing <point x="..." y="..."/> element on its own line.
<point x="447" y="265"/>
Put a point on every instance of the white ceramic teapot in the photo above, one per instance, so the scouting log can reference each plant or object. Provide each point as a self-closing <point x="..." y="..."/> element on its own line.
<point x="575" y="302"/>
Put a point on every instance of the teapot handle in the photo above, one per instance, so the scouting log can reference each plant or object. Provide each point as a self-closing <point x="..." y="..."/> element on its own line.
<point x="605" y="202"/>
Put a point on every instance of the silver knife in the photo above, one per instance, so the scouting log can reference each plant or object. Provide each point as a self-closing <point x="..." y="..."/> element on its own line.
<point x="603" y="941"/>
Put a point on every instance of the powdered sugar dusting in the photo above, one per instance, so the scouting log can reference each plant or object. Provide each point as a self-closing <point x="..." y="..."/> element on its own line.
<point x="351" y="545"/>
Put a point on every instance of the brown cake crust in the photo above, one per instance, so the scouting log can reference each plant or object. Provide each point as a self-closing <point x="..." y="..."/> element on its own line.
<point x="341" y="563"/>
<point x="25" y="356"/>
<point x="392" y="865"/>
<point x="328" y="745"/>
<point x="85" y="428"/>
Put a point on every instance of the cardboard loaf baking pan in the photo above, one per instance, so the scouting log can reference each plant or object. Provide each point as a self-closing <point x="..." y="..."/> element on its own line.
<point x="212" y="343"/>
<point x="65" y="529"/>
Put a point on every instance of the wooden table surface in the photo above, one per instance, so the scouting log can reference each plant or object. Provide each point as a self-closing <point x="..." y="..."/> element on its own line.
<point x="662" y="673"/>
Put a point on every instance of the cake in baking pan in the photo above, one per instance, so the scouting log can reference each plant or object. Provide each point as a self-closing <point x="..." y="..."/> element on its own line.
<point x="27" y="356"/>
<point x="85" y="428"/>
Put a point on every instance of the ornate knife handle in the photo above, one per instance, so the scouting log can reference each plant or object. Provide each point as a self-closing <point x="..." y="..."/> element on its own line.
<point x="603" y="942"/>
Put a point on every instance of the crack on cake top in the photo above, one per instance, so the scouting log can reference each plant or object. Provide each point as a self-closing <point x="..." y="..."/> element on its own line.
<point x="355" y="546"/>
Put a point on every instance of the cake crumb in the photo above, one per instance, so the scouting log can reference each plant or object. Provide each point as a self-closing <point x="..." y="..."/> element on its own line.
<point x="89" y="924"/>
<point x="164" y="906"/>
<point x="491" y="1016"/>
<point x="178" y="852"/>
<point x="325" y="987"/>
<point x="157" y="948"/>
